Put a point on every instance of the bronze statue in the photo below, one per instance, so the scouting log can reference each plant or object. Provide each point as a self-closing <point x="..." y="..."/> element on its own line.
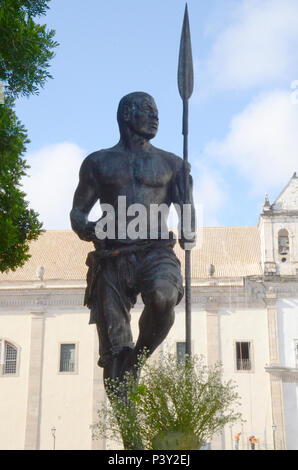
<point x="121" y="267"/>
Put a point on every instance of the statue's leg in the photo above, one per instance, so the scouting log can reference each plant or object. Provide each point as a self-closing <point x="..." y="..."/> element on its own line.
<point x="114" y="367"/>
<point x="116" y="348"/>
<point x="122" y="362"/>
<point x="113" y="324"/>
<point x="155" y="322"/>
<point x="158" y="315"/>
<point x="161" y="285"/>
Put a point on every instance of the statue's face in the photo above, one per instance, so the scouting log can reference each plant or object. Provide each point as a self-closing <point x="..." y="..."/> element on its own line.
<point x="143" y="119"/>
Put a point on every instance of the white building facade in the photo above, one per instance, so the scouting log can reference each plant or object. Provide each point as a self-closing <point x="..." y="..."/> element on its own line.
<point x="244" y="314"/>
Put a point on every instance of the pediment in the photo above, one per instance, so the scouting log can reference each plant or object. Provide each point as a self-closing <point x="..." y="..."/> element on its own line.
<point x="288" y="199"/>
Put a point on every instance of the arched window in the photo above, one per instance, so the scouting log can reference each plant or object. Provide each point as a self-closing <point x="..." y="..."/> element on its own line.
<point x="8" y="358"/>
<point x="283" y="242"/>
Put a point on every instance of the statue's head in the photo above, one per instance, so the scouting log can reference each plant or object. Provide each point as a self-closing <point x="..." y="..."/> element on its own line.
<point x="138" y="112"/>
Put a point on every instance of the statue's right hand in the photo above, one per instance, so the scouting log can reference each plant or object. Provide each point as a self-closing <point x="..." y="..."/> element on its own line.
<point x="89" y="232"/>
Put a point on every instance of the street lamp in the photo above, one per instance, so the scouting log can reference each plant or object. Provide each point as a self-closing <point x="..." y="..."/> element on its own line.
<point x="53" y="431"/>
<point x="274" y="430"/>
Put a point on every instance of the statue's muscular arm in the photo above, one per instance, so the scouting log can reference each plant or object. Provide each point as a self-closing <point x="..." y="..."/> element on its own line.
<point x="179" y="198"/>
<point x="85" y="197"/>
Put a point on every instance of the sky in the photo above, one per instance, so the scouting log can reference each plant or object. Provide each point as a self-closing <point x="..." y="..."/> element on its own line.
<point x="243" y="118"/>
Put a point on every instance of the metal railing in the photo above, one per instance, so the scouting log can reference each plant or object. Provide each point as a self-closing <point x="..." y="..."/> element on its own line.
<point x="243" y="364"/>
<point x="67" y="366"/>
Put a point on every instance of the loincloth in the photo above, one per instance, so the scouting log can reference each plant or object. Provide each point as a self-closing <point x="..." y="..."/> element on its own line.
<point x="115" y="278"/>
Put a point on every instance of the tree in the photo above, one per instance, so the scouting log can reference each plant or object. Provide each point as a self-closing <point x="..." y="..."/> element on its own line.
<point x="26" y="48"/>
<point x="18" y="223"/>
<point x="178" y="406"/>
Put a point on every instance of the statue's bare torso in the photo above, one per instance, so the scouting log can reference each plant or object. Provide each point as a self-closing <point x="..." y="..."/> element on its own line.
<point x="145" y="177"/>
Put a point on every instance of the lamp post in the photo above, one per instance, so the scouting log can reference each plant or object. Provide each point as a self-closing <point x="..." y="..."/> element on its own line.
<point x="274" y="430"/>
<point x="53" y="431"/>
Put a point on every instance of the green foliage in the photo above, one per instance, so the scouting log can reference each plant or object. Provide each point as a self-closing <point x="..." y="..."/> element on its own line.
<point x="26" y="48"/>
<point x="18" y="223"/>
<point x="177" y="406"/>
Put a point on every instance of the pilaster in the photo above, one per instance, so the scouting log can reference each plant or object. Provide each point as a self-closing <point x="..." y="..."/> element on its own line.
<point x="275" y="380"/>
<point x="98" y="393"/>
<point x="32" y="431"/>
<point x="271" y="302"/>
<point x="213" y="352"/>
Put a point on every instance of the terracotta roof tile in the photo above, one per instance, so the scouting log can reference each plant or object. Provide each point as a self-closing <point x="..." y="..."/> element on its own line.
<point x="234" y="251"/>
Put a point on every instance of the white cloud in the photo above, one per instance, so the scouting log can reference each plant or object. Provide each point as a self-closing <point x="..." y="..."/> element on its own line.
<point x="257" y="47"/>
<point x="262" y="142"/>
<point x="53" y="179"/>
<point x="210" y="193"/>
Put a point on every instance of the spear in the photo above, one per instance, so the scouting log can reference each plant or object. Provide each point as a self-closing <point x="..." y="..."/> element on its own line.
<point x="185" y="86"/>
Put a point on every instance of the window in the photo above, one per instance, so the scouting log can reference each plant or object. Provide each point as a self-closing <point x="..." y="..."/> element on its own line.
<point x="67" y="358"/>
<point x="8" y="358"/>
<point x="243" y="356"/>
<point x="180" y="352"/>
<point x="283" y="242"/>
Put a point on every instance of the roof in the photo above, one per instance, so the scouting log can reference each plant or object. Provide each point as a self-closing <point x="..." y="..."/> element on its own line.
<point x="234" y="251"/>
<point x="288" y="198"/>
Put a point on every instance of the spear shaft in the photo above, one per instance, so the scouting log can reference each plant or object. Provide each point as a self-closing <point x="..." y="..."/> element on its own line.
<point x="185" y="86"/>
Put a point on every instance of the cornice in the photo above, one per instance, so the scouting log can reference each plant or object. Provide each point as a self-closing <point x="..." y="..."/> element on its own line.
<point x="251" y="292"/>
<point x="276" y="213"/>
<point x="287" y="374"/>
<point x="36" y="299"/>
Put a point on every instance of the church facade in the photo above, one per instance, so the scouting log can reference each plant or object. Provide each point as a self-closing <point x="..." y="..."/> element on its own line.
<point x="244" y="314"/>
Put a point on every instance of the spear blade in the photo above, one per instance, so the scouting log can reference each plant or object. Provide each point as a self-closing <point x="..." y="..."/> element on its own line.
<point x="185" y="67"/>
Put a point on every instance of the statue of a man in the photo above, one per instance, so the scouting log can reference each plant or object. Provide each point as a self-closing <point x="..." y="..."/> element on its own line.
<point x="122" y="267"/>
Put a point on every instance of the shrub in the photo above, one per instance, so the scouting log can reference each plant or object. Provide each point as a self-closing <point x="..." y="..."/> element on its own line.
<point x="172" y="405"/>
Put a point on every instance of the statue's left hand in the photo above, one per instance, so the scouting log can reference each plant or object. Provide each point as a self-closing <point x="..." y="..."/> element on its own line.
<point x="188" y="243"/>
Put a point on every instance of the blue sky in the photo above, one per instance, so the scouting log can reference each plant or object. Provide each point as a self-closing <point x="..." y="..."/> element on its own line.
<point x="243" y="139"/>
